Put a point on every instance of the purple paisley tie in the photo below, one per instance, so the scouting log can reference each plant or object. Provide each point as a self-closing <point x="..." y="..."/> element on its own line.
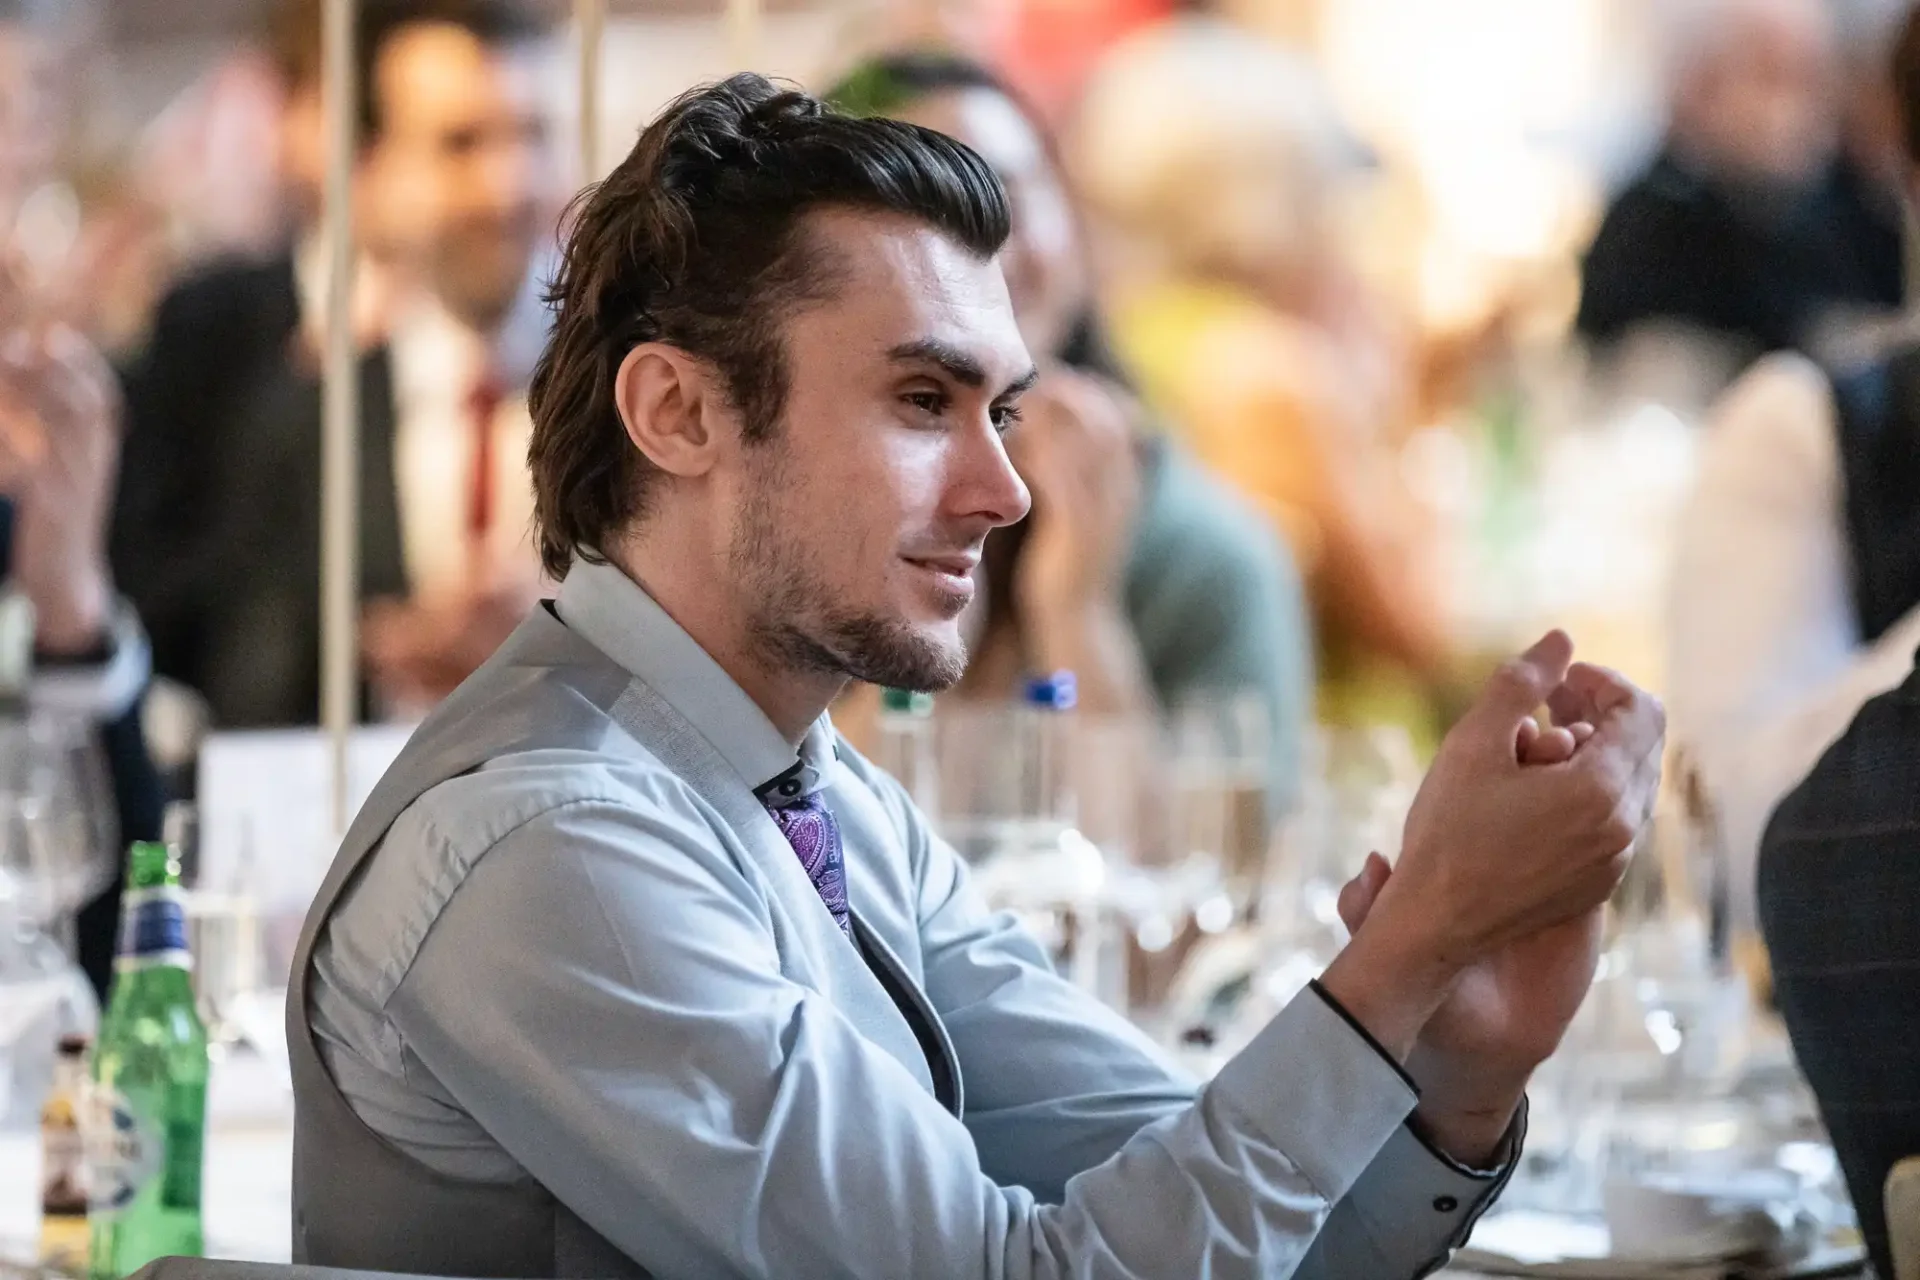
<point x="809" y="827"/>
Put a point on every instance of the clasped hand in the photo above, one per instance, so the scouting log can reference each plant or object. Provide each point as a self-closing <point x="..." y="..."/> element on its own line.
<point x="1471" y="956"/>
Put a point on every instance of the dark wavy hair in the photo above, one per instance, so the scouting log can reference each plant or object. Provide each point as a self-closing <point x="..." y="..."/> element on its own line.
<point x="892" y="82"/>
<point x="695" y="240"/>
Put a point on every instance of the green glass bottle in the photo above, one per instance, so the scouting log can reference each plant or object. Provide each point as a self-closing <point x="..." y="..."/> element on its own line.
<point x="148" y="1114"/>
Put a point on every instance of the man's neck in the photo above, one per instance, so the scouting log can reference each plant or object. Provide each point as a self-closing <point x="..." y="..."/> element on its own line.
<point x="791" y="699"/>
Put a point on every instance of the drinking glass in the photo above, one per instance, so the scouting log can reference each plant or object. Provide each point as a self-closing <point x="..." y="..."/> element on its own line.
<point x="1675" y="939"/>
<point x="80" y="819"/>
<point x="224" y="930"/>
<point x="1221" y="761"/>
<point x="223" y="933"/>
<point x="1010" y="808"/>
<point x="58" y="828"/>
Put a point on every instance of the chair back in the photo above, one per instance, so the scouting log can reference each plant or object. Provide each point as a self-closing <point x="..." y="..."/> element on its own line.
<point x="1903" y="1218"/>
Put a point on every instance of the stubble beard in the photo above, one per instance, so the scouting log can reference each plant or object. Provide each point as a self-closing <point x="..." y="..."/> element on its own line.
<point x="795" y="623"/>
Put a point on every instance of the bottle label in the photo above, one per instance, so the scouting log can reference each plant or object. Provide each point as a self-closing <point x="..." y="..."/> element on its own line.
<point x="125" y="1150"/>
<point x="153" y="929"/>
<point x="63" y="1170"/>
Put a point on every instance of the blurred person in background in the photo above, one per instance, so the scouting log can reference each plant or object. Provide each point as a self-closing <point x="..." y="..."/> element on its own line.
<point x="1137" y="569"/>
<point x="1796" y="590"/>
<point x="217" y="525"/>
<point x="1753" y="228"/>
<point x="59" y="442"/>
<point x="1219" y="158"/>
<point x="80" y="232"/>
<point x="1839" y="891"/>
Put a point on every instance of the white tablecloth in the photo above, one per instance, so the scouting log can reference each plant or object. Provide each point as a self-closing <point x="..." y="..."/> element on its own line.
<point x="248" y="1178"/>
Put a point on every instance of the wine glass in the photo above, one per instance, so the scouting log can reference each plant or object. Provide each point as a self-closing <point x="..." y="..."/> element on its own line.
<point x="224" y="930"/>
<point x="1221" y="759"/>
<point x="1011" y="808"/>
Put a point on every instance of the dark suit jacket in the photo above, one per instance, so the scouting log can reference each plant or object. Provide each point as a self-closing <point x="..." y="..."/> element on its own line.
<point x="1840" y="906"/>
<point x="216" y="533"/>
<point x="1676" y="247"/>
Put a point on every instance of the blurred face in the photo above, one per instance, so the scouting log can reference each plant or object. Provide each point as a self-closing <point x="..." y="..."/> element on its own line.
<point x="851" y="536"/>
<point x="1765" y="102"/>
<point x="463" y="167"/>
<point x="30" y="111"/>
<point x="1045" y="269"/>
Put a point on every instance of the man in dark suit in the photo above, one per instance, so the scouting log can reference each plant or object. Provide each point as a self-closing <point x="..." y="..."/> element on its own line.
<point x="1750" y="226"/>
<point x="1840" y="906"/>
<point x="216" y="529"/>
<point x="1815" y="475"/>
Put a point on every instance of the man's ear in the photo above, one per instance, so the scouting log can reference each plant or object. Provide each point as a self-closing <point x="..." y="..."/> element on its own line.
<point x="666" y="400"/>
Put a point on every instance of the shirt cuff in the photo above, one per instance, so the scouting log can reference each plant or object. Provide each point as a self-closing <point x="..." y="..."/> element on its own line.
<point x="1317" y="1088"/>
<point x="1419" y="1205"/>
<point x="101" y="690"/>
<point x="1364" y="1034"/>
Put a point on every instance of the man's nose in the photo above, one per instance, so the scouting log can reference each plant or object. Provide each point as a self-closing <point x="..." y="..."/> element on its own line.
<point x="991" y="487"/>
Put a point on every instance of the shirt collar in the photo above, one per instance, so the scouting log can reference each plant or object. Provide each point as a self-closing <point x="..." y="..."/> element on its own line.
<point x="615" y="615"/>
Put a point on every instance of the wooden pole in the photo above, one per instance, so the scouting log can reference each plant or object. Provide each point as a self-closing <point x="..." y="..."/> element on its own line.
<point x="590" y="19"/>
<point x="743" y="33"/>
<point x="340" y="413"/>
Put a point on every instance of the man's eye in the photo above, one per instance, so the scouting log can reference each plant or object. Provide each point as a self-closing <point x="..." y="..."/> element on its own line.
<point x="1007" y="417"/>
<point x="933" y="402"/>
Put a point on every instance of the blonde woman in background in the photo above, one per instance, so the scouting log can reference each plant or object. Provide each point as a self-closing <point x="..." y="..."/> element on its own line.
<point x="1214" y="156"/>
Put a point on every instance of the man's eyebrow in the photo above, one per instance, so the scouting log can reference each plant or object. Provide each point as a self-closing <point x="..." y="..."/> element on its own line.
<point x="1020" y="386"/>
<point x="957" y="363"/>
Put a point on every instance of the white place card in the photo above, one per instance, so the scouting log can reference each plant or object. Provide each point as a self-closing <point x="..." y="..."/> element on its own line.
<point x="266" y="809"/>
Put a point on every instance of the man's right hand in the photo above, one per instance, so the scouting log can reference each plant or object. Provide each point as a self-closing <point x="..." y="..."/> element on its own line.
<point x="1508" y="847"/>
<point x="1498" y="848"/>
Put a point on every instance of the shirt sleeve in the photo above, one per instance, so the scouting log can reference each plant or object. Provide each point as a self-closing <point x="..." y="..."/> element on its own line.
<point x="1057" y="1083"/>
<point x="1765" y="662"/>
<point x="650" y="1065"/>
<point x="103" y="687"/>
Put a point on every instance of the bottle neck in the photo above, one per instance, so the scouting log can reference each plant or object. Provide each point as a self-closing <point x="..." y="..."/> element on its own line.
<point x="69" y="1074"/>
<point x="153" y="930"/>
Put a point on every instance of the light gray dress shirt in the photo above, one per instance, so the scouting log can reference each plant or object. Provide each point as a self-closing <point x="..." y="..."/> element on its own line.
<point x="602" y="968"/>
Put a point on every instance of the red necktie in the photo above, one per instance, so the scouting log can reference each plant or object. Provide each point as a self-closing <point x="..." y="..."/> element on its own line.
<point x="483" y="406"/>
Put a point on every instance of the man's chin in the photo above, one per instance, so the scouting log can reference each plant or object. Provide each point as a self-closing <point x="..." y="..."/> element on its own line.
<point x="923" y="659"/>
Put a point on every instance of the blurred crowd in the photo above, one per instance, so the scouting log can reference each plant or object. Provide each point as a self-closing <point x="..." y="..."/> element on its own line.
<point x="1246" y="450"/>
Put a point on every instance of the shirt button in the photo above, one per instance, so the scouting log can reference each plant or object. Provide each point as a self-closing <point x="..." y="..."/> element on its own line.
<point x="1446" y="1204"/>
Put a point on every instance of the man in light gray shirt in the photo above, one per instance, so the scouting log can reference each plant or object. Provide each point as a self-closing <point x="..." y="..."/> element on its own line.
<point x="630" y="966"/>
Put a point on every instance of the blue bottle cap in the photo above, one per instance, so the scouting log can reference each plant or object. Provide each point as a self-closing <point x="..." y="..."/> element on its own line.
<point x="1056" y="692"/>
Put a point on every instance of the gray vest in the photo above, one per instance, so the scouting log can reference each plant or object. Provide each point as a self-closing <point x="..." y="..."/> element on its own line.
<point x="358" y="1201"/>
